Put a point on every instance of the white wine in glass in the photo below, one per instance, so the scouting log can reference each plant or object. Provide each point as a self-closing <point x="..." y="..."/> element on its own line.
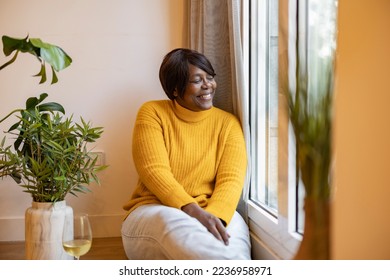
<point x="77" y="236"/>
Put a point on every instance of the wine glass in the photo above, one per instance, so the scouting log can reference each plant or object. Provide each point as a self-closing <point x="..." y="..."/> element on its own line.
<point x="77" y="236"/>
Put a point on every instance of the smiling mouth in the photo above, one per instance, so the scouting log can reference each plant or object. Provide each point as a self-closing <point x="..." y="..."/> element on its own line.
<point x="207" y="96"/>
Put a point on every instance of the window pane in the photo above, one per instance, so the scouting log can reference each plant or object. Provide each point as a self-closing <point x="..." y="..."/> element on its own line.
<point x="264" y="103"/>
<point x="321" y="42"/>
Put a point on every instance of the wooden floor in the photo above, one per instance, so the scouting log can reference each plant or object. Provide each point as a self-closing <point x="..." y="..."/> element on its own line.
<point x="102" y="249"/>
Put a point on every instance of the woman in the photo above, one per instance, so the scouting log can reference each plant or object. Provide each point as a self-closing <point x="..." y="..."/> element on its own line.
<point x="191" y="161"/>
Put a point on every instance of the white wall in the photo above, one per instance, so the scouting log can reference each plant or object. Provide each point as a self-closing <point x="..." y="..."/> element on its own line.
<point x="117" y="47"/>
<point x="361" y="227"/>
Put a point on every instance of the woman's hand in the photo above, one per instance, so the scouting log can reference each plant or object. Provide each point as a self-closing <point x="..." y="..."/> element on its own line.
<point x="212" y="223"/>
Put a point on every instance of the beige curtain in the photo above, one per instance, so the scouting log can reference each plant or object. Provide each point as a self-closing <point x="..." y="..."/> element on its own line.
<point x="215" y="29"/>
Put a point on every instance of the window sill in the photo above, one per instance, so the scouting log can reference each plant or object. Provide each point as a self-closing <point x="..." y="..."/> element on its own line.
<point x="270" y="238"/>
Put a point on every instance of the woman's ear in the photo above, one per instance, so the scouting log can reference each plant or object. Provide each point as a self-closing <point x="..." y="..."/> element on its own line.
<point x="175" y="93"/>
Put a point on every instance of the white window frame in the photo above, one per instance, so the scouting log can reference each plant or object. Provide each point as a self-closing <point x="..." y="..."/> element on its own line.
<point x="277" y="234"/>
<point x="273" y="233"/>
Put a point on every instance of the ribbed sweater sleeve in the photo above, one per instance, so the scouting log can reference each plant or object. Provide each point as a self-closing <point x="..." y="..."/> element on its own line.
<point x="230" y="174"/>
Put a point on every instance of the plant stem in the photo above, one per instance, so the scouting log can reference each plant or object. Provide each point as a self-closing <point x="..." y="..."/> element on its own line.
<point x="9" y="62"/>
<point x="14" y="111"/>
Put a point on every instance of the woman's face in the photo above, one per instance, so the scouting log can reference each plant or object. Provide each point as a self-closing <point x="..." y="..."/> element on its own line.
<point x="199" y="93"/>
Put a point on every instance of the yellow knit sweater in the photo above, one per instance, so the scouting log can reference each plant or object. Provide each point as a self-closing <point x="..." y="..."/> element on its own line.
<point x="184" y="156"/>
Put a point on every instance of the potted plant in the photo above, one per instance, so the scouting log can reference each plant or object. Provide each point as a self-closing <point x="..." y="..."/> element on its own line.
<point x="49" y="157"/>
<point x="312" y="125"/>
<point x="311" y="116"/>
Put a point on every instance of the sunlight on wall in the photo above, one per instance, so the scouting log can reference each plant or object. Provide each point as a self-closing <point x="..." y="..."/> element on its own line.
<point x="362" y="136"/>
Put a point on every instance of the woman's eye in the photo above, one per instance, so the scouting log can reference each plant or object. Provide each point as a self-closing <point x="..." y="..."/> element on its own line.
<point x="200" y="80"/>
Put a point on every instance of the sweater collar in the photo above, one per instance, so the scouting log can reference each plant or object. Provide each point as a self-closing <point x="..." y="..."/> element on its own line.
<point x="188" y="115"/>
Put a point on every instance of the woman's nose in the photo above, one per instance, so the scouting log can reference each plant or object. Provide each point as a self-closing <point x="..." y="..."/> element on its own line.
<point x="206" y="83"/>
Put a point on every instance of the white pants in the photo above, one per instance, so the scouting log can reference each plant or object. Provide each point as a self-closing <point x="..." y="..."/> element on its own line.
<point x="157" y="232"/>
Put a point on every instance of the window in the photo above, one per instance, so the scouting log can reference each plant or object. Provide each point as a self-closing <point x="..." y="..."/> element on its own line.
<point x="319" y="36"/>
<point x="269" y="195"/>
<point x="264" y="104"/>
<point x="276" y="195"/>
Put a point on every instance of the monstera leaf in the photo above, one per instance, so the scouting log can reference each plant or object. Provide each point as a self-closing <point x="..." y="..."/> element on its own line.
<point x="44" y="52"/>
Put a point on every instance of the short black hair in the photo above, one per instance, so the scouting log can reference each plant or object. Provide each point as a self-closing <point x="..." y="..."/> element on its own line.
<point x="174" y="69"/>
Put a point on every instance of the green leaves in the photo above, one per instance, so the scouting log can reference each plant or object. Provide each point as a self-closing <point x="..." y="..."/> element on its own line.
<point x="44" y="52"/>
<point x="12" y="44"/>
<point x="33" y="102"/>
<point x="312" y="124"/>
<point x="53" y="55"/>
<point x="310" y="111"/>
<point x="49" y="157"/>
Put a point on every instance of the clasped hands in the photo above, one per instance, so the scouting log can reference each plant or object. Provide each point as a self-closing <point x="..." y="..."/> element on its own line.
<point x="213" y="224"/>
